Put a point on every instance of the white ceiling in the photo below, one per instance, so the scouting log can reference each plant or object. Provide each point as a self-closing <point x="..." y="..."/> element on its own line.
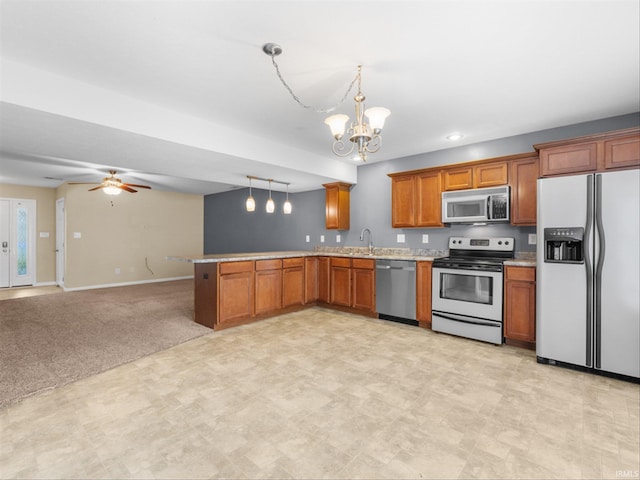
<point x="179" y="95"/>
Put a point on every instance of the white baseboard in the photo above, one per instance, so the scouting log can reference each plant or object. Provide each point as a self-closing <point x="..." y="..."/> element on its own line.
<point x="124" y="284"/>
<point x="44" y="284"/>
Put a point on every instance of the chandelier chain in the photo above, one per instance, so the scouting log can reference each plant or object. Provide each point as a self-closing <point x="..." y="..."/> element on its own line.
<point x="309" y="107"/>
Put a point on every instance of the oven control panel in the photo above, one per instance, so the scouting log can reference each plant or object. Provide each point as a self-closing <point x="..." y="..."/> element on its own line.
<point x="504" y="244"/>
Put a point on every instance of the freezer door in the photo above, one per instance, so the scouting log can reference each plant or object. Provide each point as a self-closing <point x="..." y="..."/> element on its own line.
<point x="563" y="324"/>
<point x="618" y="280"/>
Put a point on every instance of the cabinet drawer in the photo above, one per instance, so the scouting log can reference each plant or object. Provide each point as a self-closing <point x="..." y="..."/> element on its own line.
<point x="292" y="262"/>
<point x="274" y="264"/>
<point x="340" y="262"/>
<point x="227" y="268"/>
<point x="364" y="263"/>
<point x="523" y="274"/>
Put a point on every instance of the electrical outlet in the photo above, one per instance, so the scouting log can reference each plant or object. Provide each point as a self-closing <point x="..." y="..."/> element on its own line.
<point x="338" y="238"/>
<point x="321" y="238"/>
<point x="532" y="239"/>
<point x="425" y="238"/>
<point x="307" y="238"/>
<point x="117" y="270"/>
<point x="400" y="238"/>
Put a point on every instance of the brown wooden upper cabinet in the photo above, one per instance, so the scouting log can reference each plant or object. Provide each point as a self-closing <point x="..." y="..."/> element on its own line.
<point x="337" y="205"/>
<point x="416" y="199"/>
<point x="475" y="176"/>
<point x="416" y="195"/>
<point x="523" y="172"/>
<point x="595" y="153"/>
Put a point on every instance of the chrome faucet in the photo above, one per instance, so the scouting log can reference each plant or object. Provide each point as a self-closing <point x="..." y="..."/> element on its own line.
<point x="370" y="239"/>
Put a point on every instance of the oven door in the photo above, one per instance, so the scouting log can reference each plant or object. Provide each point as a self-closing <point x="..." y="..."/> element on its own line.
<point x="470" y="293"/>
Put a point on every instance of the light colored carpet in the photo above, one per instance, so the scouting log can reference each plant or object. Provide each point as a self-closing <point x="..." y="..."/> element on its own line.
<point x="50" y="340"/>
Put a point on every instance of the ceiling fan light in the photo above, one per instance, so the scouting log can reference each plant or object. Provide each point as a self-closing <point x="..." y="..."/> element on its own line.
<point x="377" y="116"/>
<point x="337" y="124"/>
<point x="111" y="190"/>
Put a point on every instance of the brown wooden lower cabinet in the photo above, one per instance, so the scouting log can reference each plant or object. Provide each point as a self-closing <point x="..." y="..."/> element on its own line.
<point x="293" y="282"/>
<point x="310" y="279"/>
<point x="423" y="293"/>
<point x="324" y="277"/>
<point x="363" y="279"/>
<point x="520" y="305"/>
<point x="340" y="283"/>
<point x="235" y="291"/>
<point x="268" y="286"/>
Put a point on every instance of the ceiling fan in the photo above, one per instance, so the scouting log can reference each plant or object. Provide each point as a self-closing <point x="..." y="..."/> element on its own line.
<point x="112" y="185"/>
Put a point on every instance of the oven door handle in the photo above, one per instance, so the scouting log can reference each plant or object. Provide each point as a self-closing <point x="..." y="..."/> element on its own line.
<point x="463" y="319"/>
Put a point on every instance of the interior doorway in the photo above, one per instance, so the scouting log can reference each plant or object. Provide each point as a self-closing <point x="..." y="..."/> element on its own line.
<point x="60" y="236"/>
<point x="17" y="242"/>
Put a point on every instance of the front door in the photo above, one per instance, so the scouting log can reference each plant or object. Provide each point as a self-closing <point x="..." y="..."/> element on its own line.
<point x="17" y="242"/>
<point x="4" y="243"/>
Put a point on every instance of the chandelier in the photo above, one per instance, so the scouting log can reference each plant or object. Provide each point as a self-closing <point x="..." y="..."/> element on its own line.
<point x="364" y="137"/>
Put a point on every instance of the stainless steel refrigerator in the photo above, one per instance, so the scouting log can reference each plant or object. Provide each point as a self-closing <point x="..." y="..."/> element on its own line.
<point x="588" y="272"/>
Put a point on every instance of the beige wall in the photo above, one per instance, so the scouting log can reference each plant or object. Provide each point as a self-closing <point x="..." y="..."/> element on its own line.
<point x="45" y="222"/>
<point x="130" y="232"/>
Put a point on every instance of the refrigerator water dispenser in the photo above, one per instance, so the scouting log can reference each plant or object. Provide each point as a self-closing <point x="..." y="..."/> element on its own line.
<point x="563" y="245"/>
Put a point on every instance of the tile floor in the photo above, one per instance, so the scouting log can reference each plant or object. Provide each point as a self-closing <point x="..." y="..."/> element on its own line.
<point x="324" y="394"/>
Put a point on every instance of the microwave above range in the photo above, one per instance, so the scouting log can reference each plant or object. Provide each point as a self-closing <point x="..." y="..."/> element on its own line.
<point x="478" y="205"/>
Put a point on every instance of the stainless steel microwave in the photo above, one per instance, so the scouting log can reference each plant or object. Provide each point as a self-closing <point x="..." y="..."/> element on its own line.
<point x="478" y="205"/>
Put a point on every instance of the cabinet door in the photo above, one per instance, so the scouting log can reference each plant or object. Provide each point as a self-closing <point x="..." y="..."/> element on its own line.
<point x="324" y="278"/>
<point x="310" y="279"/>
<point x="423" y="293"/>
<point x="337" y="206"/>
<point x="268" y="291"/>
<point x="341" y="281"/>
<point x="520" y="302"/>
<point x="622" y="152"/>
<point x="490" y="175"/>
<point x="568" y="159"/>
<point x="293" y="286"/>
<point x="235" y="296"/>
<point x="524" y="176"/>
<point x="428" y="199"/>
<point x="403" y="201"/>
<point x="364" y="289"/>
<point x="457" y="178"/>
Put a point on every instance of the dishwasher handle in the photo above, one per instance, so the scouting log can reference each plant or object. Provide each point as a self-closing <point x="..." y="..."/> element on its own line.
<point x="389" y="267"/>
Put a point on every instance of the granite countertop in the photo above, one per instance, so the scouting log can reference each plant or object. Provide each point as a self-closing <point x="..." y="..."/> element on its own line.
<point x="355" y="252"/>
<point x="523" y="259"/>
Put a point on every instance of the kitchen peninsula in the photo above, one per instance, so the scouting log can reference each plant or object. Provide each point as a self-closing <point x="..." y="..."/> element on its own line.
<point x="238" y="288"/>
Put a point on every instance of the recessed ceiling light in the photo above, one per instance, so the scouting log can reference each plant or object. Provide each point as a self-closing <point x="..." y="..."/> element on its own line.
<point x="454" y="136"/>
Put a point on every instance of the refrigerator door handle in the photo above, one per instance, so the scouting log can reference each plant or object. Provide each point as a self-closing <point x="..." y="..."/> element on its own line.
<point x="598" y="275"/>
<point x="586" y="254"/>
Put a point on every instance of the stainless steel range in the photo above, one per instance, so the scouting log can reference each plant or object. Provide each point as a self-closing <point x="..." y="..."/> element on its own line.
<point x="467" y="288"/>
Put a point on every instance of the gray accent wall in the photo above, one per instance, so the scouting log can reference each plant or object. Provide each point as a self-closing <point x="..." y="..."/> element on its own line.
<point x="229" y="228"/>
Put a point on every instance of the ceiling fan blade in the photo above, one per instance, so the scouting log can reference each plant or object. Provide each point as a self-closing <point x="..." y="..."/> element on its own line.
<point x="81" y="183"/>
<point x="124" y="187"/>
<point x="138" y="186"/>
<point x="96" y="188"/>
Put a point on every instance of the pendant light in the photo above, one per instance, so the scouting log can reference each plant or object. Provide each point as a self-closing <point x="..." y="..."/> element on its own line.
<point x="270" y="207"/>
<point x="286" y="208"/>
<point x="250" y="203"/>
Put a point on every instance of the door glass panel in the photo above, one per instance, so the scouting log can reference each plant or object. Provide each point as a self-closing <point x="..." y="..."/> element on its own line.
<point x="466" y="288"/>
<point x="22" y="228"/>
<point x="465" y="209"/>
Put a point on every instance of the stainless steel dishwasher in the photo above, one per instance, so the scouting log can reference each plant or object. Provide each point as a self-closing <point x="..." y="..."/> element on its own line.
<point x="396" y="290"/>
